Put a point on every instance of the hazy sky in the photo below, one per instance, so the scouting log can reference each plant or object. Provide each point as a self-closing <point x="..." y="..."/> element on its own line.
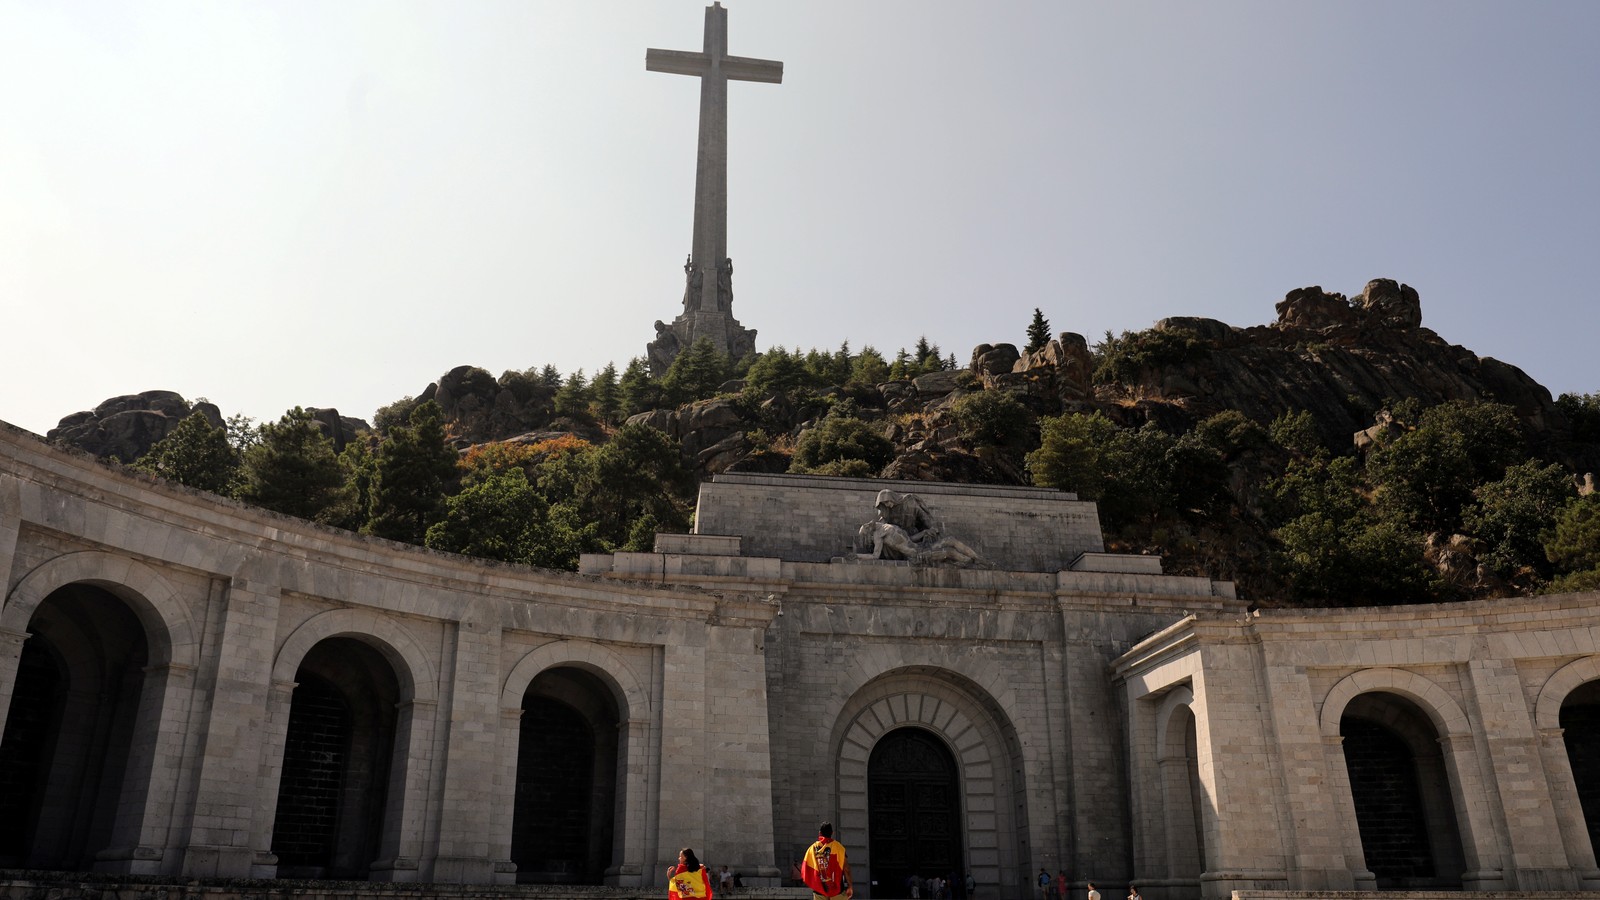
<point x="332" y="204"/>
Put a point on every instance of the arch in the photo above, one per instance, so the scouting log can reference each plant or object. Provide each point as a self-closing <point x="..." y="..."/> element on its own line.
<point x="398" y="645"/>
<point x="1433" y="700"/>
<point x="1568" y="678"/>
<point x="980" y="737"/>
<point x="596" y="659"/>
<point x="153" y="599"/>
<point x="1180" y="696"/>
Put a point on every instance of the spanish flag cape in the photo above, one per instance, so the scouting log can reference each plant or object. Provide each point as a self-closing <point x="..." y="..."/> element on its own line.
<point x="823" y="870"/>
<point x="694" y="885"/>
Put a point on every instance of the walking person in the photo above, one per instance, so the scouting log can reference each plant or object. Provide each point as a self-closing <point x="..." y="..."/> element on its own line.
<point x="825" y="870"/>
<point x="688" y="880"/>
<point x="1093" y="894"/>
<point x="1061" y="884"/>
<point x="1044" y="885"/>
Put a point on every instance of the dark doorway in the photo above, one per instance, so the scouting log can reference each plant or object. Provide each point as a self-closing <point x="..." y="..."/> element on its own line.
<point x="562" y="830"/>
<point x="74" y="710"/>
<point x="337" y="761"/>
<point x="1402" y="795"/>
<point x="914" y="811"/>
<point x="1580" y="729"/>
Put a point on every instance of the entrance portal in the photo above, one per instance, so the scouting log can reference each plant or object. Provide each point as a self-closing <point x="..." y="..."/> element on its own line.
<point x="914" y="811"/>
<point x="566" y="780"/>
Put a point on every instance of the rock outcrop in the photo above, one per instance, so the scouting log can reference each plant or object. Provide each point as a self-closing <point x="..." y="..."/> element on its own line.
<point x="126" y="427"/>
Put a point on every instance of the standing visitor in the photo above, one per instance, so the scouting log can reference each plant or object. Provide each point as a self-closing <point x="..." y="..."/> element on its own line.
<point x="1133" y="893"/>
<point x="1061" y="884"/>
<point x="1093" y="894"/>
<point x="688" y="880"/>
<point x="1044" y="885"/>
<point x="825" y="870"/>
<point x="972" y="886"/>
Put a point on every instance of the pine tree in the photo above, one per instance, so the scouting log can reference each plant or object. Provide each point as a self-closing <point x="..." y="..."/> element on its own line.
<point x="415" y="465"/>
<point x="292" y="469"/>
<point x="1038" y="331"/>
<point x="605" y="395"/>
<point x="550" y="377"/>
<point x="640" y="392"/>
<point x="573" y="398"/>
<point x="196" y="454"/>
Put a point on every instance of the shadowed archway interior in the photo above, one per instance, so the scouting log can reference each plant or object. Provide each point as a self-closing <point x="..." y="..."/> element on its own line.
<point x="68" y="735"/>
<point x="914" y="811"/>
<point x="563" y="826"/>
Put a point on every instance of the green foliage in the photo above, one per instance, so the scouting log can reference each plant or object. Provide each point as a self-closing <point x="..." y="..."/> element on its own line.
<point x="1297" y="432"/>
<point x="360" y="469"/>
<point x="1038" y="332"/>
<point x="781" y="371"/>
<point x="605" y="395"/>
<point x="841" y="444"/>
<point x="195" y="454"/>
<point x="1123" y="359"/>
<point x="293" y="470"/>
<point x="1354" y="562"/>
<point x="1127" y="471"/>
<point x="243" y="433"/>
<point x="1583" y="412"/>
<point x="573" y="398"/>
<point x="502" y="516"/>
<point x="415" y="466"/>
<point x="1573" y="543"/>
<point x="640" y="392"/>
<point x="1425" y="476"/>
<point x="992" y="418"/>
<point x="869" y="368"/>
<point x="1510" y="515"/>
<point x="639" y="472"/>
<point x="695" y="374"/>
<point x="395" y="414"/>
<point x="1231" y="433"/>
<point x="550" y="377"/>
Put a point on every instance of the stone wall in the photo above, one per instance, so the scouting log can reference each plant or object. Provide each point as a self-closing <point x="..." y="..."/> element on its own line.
<point x="811" y="519"/>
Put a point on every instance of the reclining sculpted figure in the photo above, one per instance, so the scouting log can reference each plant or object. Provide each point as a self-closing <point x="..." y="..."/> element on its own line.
<point x="906" y="529"/>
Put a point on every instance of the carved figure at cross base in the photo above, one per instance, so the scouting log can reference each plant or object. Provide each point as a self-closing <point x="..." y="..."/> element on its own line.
<point x="906" y="529"/>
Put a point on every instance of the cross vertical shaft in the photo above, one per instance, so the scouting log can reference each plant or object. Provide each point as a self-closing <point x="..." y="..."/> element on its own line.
<point x="714" y="67"/>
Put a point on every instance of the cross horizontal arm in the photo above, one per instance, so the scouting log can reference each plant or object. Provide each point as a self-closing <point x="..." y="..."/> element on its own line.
<point x="678" y="62"/>
<point x="743" y="68"/>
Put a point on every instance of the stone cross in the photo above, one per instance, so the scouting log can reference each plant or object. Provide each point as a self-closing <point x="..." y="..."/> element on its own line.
<point x="709" y="266"/>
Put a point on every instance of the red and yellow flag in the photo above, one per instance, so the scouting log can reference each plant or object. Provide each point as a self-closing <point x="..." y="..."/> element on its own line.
<point x="823" y="869"/>
<point x="689" y="885"/>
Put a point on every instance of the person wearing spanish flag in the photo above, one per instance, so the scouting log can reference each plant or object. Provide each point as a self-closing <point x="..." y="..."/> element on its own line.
<point x="688" y="880"/>
<point x="825" y="870"/>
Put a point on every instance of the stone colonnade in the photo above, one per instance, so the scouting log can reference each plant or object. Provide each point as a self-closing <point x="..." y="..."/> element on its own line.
<point x="231" y="601"/>
<point x="1473" y="693"/>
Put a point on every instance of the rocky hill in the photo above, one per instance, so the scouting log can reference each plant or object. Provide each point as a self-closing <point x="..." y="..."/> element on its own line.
<point x="1345" y="360"/>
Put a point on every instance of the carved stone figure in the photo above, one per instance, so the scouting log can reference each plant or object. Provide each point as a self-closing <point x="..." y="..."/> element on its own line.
<point x="906" y="529"/>
<point x="693" y="279"/>
<point x="725" y="284"/>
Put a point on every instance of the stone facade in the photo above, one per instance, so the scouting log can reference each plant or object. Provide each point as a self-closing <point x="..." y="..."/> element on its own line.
<point x="181" y="676"/>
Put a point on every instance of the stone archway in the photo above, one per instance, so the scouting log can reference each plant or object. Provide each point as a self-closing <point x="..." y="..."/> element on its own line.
<point x="339" y="755"/>
<point x="69" y="747"/>
<point x="563" y="825"/>
<point x="1177" y="755"/>
<point x="1401" y="791"/>
<point x="914" y="821"/>
<point x="982" y="744"/>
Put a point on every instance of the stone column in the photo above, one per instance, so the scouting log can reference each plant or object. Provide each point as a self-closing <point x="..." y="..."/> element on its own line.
<point x="1538" y="859"/>
<point x="1343" y="809"/>
<point x="739" y="809"/>
<point x="1319" y="814"/>
<point x="1567" y="808"/>
<point x="503" y="804"/>
<point x="152" y="776"/>
<point x="411" y="785"/>
<point x="230" y="801"/>
<point x="10" y="641"/>
<point x="466" y="829"/>
<point x="684" y="772"/>
<point x="1474" y="812"/>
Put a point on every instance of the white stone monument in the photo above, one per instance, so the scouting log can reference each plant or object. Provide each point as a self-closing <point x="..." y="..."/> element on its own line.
<point x="708" y="290"/>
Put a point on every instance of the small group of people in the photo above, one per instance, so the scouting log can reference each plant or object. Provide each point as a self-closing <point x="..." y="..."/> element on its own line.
<point x="939" y="887"/>
<point x="1057" y="888"/>
<point x="824" y="870"/>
